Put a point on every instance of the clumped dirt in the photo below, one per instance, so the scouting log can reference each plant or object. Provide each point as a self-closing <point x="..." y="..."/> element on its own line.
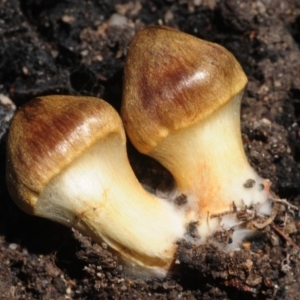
<point x="78" y="47"/>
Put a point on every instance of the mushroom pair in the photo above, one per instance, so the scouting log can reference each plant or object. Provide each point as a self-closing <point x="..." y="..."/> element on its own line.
<point x="67" y="161"/>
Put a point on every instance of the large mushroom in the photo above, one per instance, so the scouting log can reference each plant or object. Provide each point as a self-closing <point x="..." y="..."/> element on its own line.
<point x="181" y="106"/>
<point x="67" y="162"/>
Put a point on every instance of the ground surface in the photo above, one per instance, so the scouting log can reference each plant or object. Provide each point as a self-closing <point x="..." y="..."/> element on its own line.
<point x="76" y="47"/>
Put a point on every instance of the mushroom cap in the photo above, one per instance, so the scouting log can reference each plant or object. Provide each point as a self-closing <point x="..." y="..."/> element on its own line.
<point x="47" y="134"/>
<point x="173" y="80"/>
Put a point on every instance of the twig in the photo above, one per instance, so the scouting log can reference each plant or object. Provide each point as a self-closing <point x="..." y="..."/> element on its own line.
<point x="285" y="202"/>
<point x="222" y="214"/>
<point x="285" y="236"/>
<point x="267" y="221"/>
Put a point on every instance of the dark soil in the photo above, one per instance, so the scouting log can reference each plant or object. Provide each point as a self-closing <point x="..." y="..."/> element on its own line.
<point x="74" y="47"/>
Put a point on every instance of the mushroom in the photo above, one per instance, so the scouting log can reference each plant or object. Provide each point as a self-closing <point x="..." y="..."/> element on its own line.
<point x="181" y="106"/>
<point x="67" y="162"/>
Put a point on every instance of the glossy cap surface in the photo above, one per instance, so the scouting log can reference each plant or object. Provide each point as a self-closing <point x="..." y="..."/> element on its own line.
<point x="47" y="134"/>
<point x="173" y="80"/>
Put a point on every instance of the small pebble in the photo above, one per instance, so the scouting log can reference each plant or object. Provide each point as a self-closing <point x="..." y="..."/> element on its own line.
<point x="13" y="246"/>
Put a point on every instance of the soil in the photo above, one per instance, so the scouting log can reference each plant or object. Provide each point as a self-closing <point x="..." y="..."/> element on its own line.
<point x="78" y="47"/>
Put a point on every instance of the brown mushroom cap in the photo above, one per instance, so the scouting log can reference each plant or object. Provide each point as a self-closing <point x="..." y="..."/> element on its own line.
<point x="46" y="135"/>
<point x="173" y="80"/>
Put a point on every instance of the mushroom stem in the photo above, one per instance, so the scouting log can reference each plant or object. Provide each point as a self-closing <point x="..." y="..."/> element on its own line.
<point x="100" y="195"/>
<point x="210" y="167"/>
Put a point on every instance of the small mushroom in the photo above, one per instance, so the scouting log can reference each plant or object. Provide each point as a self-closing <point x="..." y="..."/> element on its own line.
<point x="181" y="106"/>
<point x="67" y="162"/>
